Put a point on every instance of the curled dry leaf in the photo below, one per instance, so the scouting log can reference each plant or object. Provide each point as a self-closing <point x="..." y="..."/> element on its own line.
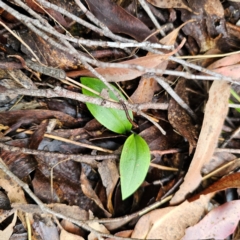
<point x="90" y="193"/>
<point x="109" y="174"/>
<point x="215" y="114"/>
<point x="218" y="224"/>
<point x="123" y="234"/>
<point x="171" y="222"/>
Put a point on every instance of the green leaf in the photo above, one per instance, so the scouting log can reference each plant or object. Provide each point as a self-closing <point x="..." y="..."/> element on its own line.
<point x="113" y="119"/>
<point x="134" y="164"/>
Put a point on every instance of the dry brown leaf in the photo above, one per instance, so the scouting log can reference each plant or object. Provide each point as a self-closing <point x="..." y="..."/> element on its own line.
<point x="69" y="236"/>
<point x="147" y="85"/>
<point x="179" y="118"/>
<point x="145" y="90"/>
<point x="109" y="174"/>
<point x="215" y="114"/>
<point x="171" y="222"/>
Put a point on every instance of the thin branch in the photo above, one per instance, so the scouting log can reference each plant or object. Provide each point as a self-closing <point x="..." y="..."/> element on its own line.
<point x="61" y="92"/>
<point x="161" y="81"/>
<point x="88" y="159"/>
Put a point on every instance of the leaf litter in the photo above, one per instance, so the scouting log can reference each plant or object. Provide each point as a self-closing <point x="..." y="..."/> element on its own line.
<point x="71" y="161"/>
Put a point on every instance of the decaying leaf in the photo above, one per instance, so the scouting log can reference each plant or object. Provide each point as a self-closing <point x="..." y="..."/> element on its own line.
<point x="49" y="55"/>
<point x="171" y="222"/>
<point x="215" y="113"/>
<point x="179" y="118"/>
<point x="119" y="20"/>
<point x="209" y="31"/>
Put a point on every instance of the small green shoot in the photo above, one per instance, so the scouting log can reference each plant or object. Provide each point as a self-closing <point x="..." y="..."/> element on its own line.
<point x="236" y="96"/>
<point x="134" y="164"/>
<point x="135" y="157"/>
<point x="113" y="119"/>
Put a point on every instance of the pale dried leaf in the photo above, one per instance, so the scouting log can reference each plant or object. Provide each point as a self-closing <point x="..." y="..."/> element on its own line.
<point x="7" y="232"/>
<point x="215" y="114"/>
<point x="109" y="174"/>
<point x="171" y="222"/>
<point x="219" y="159"/>
<point x="14" y="192"/>
<point x="98" y="227"/>
<point x="229" y="71"/>
<point x="218" y="224"/>
<point x="69" y="236"/>
<point x="70" y="211"/>
<point x="226" y="61"/>
<point x="170" y="39"/>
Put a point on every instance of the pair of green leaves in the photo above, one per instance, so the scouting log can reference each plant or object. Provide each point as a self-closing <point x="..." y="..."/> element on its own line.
<point x="135" y="157"/>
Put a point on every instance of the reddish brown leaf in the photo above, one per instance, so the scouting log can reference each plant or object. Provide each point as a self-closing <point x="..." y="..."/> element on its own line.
<point x="124" y="74"/>
<point x="229" y="181"/>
